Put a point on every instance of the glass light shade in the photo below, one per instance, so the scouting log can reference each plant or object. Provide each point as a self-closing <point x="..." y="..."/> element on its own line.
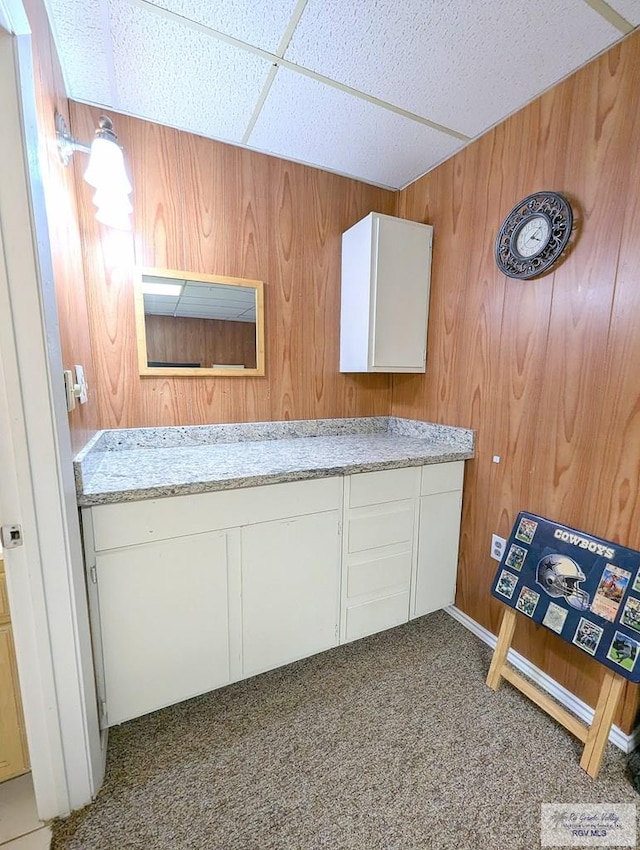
<point x="106" y="167"/>
<point x="115" y="214"/>
<point x="106" y="198"/>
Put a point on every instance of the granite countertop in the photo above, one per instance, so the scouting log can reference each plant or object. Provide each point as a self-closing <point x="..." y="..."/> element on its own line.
<point x="142" y="463"/>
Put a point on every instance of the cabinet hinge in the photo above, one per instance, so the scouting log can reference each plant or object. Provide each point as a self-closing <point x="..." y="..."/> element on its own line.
<point x="339" y="528"/>
<point x="103" y="713"/>
<point x="94" y="575"/>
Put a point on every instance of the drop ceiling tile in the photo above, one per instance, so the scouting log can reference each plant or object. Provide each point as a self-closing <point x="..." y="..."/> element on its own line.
<point x="172" y="74"/>
<point x="464" y="65"/>
<point x="309" y="121"/>
<point x="258" y="22"/>
<point x="629" y="9"/>
<point x="81" y="35"/>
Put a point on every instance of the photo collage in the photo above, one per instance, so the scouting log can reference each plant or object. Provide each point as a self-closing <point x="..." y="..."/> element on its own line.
<point x="585" y="589"/>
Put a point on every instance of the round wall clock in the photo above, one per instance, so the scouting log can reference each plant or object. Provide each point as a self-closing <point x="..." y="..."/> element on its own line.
<point x="533" y="235"/>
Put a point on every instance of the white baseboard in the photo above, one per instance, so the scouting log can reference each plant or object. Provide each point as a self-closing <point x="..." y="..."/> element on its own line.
<point x="570" y="701"/>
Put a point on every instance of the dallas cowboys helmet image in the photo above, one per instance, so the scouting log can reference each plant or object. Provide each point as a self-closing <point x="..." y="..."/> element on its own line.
<point x="561" y="576"/>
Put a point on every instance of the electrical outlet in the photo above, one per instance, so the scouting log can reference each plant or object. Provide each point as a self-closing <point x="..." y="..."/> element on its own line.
<point x="497" y="547"/>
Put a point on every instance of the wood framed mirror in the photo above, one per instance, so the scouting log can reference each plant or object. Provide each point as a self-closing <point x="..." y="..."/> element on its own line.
<point x="198" y="325"/>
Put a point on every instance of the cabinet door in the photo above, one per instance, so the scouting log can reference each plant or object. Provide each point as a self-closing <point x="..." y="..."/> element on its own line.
<point x="290" y="586"/>
<point x="163" y="611"/>
<point x="402" y="272"/>
<point x="13" y="750"/>
<point x="437" y="552"/>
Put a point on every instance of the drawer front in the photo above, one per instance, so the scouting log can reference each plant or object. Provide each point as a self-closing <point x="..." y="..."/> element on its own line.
<point x="372" y="617"/>
<point x="4" y="600"/>
<point x="127" y="524"/>
<point x="442" y="477"/>
<point x="376" y="528"/>
<point x="388" y="485"/>
<point x="377" y="574"/>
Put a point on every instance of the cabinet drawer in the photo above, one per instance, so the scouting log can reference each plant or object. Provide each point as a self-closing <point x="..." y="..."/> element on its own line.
<point x="4" y="600"/>
<point x="375" y="528"/>
<point x="127" y="524"/>
<point x="376" y="574"/>
<point x="371" y="617"/>
<point x="442" y="477"/>
<point x="388" y="485"/>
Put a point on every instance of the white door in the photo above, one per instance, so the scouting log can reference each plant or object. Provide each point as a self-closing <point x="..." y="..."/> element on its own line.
<point x="437" y="552"/>
<point x="290" y="589"/>
<point x="401" y="294"/>
<point x="45" y="574"/>
<point x="163" y="622"/>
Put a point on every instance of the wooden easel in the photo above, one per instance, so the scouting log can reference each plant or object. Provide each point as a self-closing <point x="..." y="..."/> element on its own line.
<point x="594" y="737"/>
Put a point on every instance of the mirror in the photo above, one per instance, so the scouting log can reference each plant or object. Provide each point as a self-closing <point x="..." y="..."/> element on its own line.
<point x="198" y="325"/>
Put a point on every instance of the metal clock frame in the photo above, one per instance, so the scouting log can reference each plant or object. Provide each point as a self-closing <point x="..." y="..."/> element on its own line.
<point x="550" y="205"/>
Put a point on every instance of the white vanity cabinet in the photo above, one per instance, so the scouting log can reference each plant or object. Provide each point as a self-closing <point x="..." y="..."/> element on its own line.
<point x="188" y="593"/>
<point x="386" y="275"/>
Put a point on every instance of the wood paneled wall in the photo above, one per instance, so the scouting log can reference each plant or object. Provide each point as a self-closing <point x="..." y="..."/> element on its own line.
<point x="207" y="207"/>
<point x="548" y="371"/>
<point x="60" y="198"/>
<point x="202" y="341"/>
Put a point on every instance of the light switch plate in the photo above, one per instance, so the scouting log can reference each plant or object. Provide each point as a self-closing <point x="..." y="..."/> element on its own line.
<point x="69" y="390"/>
<point x="81" y="385"/>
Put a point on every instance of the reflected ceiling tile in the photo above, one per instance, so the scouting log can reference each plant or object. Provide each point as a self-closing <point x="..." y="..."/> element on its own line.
<point x="175" y="75"/>
<point x="258" y="22"/>
<point x="309" y="121"/>
<point x="464" y="65"/>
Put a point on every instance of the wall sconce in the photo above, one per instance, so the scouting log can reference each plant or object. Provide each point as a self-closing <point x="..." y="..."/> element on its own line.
<point x="105" y="171"/>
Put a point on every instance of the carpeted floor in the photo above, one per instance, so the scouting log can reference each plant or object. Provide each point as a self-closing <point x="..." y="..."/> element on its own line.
<point x="390" y="743"/>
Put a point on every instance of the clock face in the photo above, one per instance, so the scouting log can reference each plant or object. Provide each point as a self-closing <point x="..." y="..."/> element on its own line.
<point x="534" y="235"/>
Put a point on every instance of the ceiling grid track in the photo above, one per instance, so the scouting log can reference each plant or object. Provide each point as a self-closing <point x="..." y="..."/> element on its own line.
<point x="611" y="16"/>
<point x="279" y="61"/>
<point x="282" y="47"/>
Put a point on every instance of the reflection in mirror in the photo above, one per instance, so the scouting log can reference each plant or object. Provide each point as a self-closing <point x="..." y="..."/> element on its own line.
<point x="199" y="324"/>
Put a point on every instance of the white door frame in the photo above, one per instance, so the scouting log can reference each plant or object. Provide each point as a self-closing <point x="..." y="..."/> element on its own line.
<point x="45" y="576"/>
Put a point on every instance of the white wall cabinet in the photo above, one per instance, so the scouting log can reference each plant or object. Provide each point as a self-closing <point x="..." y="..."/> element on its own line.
<point x="386" y="275"/>
<point x="189" y="593"/>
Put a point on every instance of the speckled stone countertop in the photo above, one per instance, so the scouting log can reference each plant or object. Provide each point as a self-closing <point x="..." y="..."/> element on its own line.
<point x="142" y="463"/>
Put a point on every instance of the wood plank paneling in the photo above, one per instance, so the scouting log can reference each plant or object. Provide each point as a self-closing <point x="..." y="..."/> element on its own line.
<point x="205" y="342"/>
<point x="548" y="371"/>
<point x="60" y="199"/>
<point x="212" y="208"/>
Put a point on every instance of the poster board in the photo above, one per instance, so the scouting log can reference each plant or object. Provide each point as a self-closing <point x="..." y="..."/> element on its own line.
<point x="583" y="588"/>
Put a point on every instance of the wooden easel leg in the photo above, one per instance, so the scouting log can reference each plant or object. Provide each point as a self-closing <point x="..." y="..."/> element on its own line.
<point x="610" y="693"/>
<point x="501" y="651"/>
